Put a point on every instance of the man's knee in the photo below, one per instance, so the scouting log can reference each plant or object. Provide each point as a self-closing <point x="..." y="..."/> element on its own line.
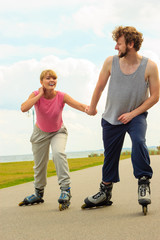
<point x="138" y="141"/>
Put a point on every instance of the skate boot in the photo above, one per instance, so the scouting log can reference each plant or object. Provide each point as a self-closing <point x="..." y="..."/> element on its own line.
<point x="64" y="199"/>
<point x="34" y="198"/>
<point x="144" y="197"/>
<point x="102" y="198"/>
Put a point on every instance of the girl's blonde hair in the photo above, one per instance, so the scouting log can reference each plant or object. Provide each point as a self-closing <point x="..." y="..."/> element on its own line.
<point x="51" y="73"/>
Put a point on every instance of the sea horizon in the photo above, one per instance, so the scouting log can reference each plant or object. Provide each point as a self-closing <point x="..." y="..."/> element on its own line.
<point x="29" y="157"/>
<point x="71" y="154"/>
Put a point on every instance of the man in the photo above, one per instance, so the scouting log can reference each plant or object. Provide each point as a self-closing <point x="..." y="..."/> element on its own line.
<point x="133" y="89"/>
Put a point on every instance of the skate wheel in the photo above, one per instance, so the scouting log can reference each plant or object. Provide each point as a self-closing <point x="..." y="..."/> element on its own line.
<point x="144" y="208"/>
<point x="84" y="206"/>
<point x="60" y="207"/>
<point x="21" y="203"/>
<point x="109" y="203"/>
<point x="24" y="202"/>
<point x="63" y="206"/>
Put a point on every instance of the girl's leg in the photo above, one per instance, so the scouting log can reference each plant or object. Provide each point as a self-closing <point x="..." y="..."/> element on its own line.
<point x="58" y="144"/>
<point x="140" y="156"/>
<point x="40" y="147"/>
<point x="113" y="138"/>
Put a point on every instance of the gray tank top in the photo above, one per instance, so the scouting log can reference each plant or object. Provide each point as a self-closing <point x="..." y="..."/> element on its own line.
<point x="125" y="92"/>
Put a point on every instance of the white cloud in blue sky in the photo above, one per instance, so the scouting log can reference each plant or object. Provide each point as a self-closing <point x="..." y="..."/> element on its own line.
<point x="72" y="37"/>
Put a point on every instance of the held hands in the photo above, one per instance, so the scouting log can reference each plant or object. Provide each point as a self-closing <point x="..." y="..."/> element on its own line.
<point x="91" y="112"/>
<point x="126" y="117"/>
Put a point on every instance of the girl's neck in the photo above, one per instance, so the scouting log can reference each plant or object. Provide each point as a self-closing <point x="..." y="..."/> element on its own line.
<point x="49" y="94"/>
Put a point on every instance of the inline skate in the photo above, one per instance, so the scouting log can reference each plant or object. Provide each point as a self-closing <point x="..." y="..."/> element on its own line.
<point x="34" y="198"/>
<point x="102" y="198"/>
<point x="64" y="199"/>
<point x="144" y="197"/>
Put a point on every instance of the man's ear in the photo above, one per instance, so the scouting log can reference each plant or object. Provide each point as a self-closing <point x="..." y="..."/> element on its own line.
<point x="131" y="45"/>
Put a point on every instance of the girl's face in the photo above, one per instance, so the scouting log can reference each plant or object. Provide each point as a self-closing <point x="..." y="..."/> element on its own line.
<point x="49" y="82"/>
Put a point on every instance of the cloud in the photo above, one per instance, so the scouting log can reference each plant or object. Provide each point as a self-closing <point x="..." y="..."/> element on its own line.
<point x="15" y="130"/>
<point x="153" y="132"/>
<point x="151" y="49"/>
<point x="10" y="51"/>
<point x="22" y="28"/>
<point x="95" y="18"/>
<point x="40" y="4"/>
<point x="54" y="18"/>
<point x="99" y="16"/>
<point x="75" y="76"/>
<point x="33" y="31"/>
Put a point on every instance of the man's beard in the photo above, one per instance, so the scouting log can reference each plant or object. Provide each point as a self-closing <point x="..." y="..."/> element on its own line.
<point x="123" y="54"/>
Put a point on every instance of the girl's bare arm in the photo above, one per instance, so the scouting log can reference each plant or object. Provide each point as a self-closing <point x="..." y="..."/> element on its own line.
<point x="28" y="104"/>
<point x="74" y="104"/>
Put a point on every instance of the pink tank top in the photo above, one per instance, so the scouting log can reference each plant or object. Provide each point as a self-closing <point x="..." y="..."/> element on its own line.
<point x="49" y="112"/>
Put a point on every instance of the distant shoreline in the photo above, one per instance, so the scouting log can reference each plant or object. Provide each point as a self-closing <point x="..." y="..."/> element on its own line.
<point x="70" y="155"/>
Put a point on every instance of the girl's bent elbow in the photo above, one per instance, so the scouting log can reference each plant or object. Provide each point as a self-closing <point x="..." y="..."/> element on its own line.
<point x="23" y="109"/>
<point x="157" y="100"/>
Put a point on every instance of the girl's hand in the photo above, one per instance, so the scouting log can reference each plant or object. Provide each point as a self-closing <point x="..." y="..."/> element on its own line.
<point x="90" y="111"/>
<point x="41" y="91"/>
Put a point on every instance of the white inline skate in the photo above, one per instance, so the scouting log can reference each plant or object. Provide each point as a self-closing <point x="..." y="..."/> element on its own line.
<point x="102" y="198"/>
<point x="144" y="197"/>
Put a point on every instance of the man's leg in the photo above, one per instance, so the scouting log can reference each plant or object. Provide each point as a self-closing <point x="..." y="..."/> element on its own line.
<point x="113" y="138"/>
<point x="140" y="156"/>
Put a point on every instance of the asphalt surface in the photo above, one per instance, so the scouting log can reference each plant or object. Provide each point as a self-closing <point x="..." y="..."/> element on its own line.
<point x="123" y="220"/>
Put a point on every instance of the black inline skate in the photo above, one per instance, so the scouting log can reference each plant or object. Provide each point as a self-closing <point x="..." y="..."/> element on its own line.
<point x="34" y="198"/>
<point x="102" y="198"/>
<point x="64" y="199"/>
<point x="144" y="197"/>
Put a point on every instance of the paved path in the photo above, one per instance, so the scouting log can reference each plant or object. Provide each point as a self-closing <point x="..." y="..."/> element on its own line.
<point x="121" y="221"/>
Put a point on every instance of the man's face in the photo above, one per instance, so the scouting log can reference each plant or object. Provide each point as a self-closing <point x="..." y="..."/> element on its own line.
<point x="121" y="47"/>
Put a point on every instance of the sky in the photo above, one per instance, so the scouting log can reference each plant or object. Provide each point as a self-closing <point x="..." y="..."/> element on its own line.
<point x="73" y="38"/>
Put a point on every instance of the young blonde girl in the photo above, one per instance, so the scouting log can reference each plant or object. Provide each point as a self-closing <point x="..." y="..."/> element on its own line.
<point x="49" y="131"/>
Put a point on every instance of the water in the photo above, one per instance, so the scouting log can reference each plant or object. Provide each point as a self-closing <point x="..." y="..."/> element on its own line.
<point x="29" y="157"/>
<point x="80" y="154"/>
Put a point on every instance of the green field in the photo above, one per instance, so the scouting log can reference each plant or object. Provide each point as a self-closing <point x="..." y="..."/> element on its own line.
<point x="14" y="173"/>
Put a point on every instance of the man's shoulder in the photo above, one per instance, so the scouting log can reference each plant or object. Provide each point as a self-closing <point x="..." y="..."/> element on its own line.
<point x="108" y="61"/>
<point x="151" y="69"/>
<point x="151" y="65"/>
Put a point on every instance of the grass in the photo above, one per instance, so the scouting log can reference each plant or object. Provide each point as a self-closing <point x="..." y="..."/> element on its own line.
<point x="14" y="173"/>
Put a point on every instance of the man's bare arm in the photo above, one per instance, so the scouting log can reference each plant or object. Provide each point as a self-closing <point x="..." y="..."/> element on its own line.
<point x="102" y="81"/>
